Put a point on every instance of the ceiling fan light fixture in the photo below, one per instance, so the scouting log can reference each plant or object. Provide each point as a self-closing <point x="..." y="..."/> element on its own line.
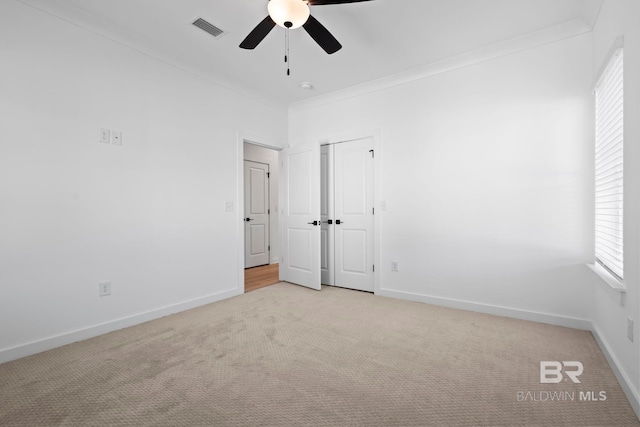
<point x="289" y="13"/>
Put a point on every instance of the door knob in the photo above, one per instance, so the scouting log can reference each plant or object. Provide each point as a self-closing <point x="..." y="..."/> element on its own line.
<point x="248" y="219"/>
<point x="314" y="223"/>
<point x="338" y="222"/>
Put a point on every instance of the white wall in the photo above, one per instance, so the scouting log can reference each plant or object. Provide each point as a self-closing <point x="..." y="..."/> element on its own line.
<point x="486" y="171"/>
<point x="486" y="174"/>
<point x="621" y="19"/>
<point x="148" y="216"/>
<point x="260" y="154"/>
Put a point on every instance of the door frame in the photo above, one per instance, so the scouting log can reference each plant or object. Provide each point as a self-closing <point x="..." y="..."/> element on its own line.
<point x="251" y="138"/>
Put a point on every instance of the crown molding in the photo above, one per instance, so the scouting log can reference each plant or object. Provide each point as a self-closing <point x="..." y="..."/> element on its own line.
<point x="590" y="11"/>
<point x="78" y="17"/>
<point x="548" y="35"/>
<point x="71" y="14"/>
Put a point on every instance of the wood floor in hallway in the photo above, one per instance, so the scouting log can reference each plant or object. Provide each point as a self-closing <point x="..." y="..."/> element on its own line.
<point x="259" y="277"/>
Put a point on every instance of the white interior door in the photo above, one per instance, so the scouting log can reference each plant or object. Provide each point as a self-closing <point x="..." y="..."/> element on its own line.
<point x="326" y="215"/>
<point x="353" y="221"/>
<point x="256" y="214"/>
<point x="300" y="215"/>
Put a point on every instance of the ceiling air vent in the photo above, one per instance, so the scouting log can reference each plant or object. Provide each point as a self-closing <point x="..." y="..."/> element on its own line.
<point x="208" y="27"/>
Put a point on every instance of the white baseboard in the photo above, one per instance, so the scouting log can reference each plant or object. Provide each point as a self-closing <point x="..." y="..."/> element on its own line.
<point x="621" y="375"/>
<point x="552" y="319"/>
<point x="34" y="347"/>
<point x="534" y="316"/>
<point x="39" y="346"/>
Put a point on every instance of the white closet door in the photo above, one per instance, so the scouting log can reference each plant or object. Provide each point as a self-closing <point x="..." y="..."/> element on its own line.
<point x="353" y="221"/>
<point x="300" y="215"/>
<point x="326" y="214"/>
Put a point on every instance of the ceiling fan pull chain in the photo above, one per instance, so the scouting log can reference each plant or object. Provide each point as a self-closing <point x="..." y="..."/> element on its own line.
<point x="287" y="57"/>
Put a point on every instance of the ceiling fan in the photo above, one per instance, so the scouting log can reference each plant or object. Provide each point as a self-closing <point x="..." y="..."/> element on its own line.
<point x="291" y="14"/>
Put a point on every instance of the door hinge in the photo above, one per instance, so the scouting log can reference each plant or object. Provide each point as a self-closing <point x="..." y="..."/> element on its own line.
<point x="269" y="247"/>
<point x="372" y="153"/>
<point x="373" y="211"/>
<point x="268" y="211"/>
<point x="268" y="174"/>
<point x="374" y="268"/>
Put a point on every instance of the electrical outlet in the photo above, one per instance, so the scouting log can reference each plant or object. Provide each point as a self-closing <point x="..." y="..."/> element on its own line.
<point x="630" y="329"/>
<point x="394" y="265"/>
<point x="104" y="288"/>
<point x="105" y="136"/>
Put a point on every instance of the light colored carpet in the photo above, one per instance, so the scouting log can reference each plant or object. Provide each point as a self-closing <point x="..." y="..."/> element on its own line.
<point x="285" y="355"/>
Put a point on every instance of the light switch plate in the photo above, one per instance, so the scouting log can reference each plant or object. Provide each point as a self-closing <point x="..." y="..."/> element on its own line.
<point x="228" y="206"/>
<point x="105" y="136"/>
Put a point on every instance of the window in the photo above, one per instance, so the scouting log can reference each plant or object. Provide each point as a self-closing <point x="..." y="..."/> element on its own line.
<point x="609" y="171"/>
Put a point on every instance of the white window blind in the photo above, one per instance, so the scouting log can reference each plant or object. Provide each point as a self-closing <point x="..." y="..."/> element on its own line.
<point x="609" y="172"/>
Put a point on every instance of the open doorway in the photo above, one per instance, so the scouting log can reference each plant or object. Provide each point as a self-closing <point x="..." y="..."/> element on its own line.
<point x="261" y="222"/>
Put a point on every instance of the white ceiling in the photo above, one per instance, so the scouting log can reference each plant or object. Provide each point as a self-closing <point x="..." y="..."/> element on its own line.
<point x="379" y="38"/>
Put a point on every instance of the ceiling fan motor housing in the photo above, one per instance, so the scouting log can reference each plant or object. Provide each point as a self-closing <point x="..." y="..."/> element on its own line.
<point x="289" y="13"/>
<point x="294" y="14"/>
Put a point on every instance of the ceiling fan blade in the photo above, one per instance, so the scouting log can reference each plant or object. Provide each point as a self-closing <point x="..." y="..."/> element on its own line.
<point x="325" y="2"/>
<point x="258" y="33"/>
<point x="321" y="35"/>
